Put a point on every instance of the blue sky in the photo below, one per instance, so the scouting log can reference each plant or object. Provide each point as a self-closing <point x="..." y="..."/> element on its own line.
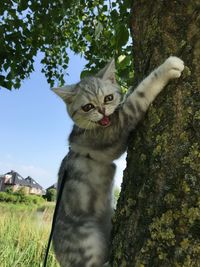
<point x="35" y="126"/>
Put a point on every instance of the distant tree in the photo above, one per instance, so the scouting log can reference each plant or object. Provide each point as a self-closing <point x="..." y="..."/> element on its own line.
<point x="9" y="189"/>
<point x="96" y="29"/>
<point x="51" y="194"/>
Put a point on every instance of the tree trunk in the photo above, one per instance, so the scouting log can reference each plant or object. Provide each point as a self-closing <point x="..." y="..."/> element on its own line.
<point x="157" y="222"/>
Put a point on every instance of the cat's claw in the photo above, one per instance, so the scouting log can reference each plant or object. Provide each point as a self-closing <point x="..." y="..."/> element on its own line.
<point x="173" y="67"/>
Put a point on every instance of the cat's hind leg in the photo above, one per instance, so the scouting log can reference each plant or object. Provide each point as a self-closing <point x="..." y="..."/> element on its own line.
<point x="81" y="245"/>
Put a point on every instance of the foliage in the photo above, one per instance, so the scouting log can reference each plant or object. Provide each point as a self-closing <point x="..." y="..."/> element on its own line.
<point x="23" y="237"/>
<point x="22" y="191"/>
<point x="98" y="30"/>
<point x="51" y="195"/>
<point x="20" y="197"/>
<point x="26" y="27"/>
<point x="9" y="189"/>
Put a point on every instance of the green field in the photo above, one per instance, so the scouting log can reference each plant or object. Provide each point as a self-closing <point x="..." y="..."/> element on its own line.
<point x="24" y="232"/>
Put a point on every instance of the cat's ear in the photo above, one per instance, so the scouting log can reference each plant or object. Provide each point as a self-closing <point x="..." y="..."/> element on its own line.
<point x="108" y="72"/>
<point x="67" y="92"/>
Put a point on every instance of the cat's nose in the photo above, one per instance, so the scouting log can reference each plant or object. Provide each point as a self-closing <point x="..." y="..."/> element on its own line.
<point x="101" y="110"/>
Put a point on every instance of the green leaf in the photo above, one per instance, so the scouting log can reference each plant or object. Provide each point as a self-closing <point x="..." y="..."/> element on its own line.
<point x="6" y="65"/>
<point x="105" y="8"/>
<point x="88" y="38"/>
<point x="98" y="30"/>
<point x="122" y="35"/>
<point x="85" y="73"/>
<point x="114" y="15"/>
<point x="23" y="5"/>
<point x="123" y="61"/>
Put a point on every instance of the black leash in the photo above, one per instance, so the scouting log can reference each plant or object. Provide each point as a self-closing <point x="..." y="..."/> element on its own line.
<point x="54" y="218"/>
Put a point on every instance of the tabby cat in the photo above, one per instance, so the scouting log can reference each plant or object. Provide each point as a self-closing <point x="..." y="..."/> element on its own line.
<point x="102" y="124"/>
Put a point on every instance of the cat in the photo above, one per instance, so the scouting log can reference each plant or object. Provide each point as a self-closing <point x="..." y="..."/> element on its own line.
<point x="102" y="124"/>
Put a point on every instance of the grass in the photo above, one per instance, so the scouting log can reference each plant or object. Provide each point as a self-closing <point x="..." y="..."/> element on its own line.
<point x="24" y="233"/>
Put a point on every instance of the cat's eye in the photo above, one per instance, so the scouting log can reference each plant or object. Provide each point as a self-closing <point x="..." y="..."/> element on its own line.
<point x="87" y="107"/>
<point x="108" y="98"/>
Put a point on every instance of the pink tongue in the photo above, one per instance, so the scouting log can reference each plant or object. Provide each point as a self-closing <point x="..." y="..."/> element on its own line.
<point x="105" y="121"/>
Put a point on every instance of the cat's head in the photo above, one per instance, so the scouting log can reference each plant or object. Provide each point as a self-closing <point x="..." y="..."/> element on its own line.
<point x="91" y="101"/>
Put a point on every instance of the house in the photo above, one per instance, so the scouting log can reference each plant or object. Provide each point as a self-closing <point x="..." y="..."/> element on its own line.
<point x="35" y="188"/>
<point x="15" y="181"/>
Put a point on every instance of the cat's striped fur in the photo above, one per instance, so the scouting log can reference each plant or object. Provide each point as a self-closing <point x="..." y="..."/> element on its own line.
<point x="99" y="136"/>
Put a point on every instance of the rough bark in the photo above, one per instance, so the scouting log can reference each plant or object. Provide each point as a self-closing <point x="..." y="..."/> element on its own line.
<point x="157" y="222"/>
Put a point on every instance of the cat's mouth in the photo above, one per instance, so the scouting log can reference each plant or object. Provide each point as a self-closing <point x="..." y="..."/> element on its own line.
<point x="105" y="121"/>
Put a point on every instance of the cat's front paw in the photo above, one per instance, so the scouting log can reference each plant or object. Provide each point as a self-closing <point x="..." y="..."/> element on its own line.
<point x="173" y="67"/>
